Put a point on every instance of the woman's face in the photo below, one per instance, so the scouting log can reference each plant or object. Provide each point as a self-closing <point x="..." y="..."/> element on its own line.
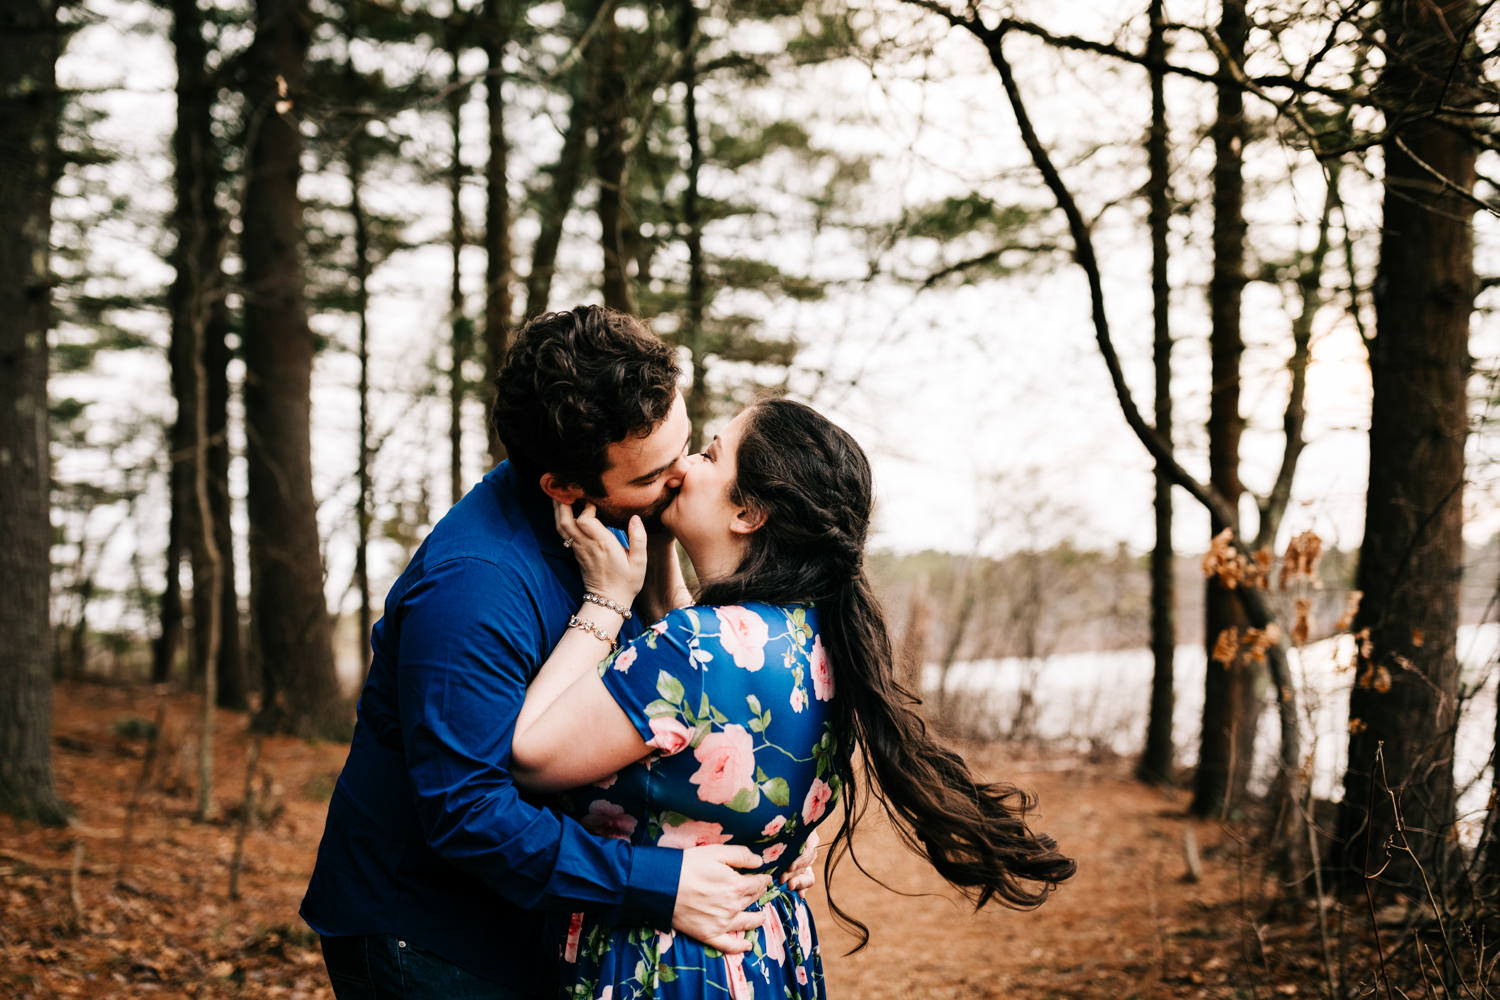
<point x="702" y="513"/>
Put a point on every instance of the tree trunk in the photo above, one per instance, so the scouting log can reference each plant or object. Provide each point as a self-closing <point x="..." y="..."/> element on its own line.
<point x="1403" y="706"/>
<point x="289" y="610"/>
<point x="609" y="161"/>
<point x="200" y="324"/>
<point x="28" y="156"/>
<point x="207" y="582"/>
<point x="362" y="516"/>
<point x="1228" y="696"/>
<point x="164" y="649"/>
<point x="1487" y="881"/>
<point x="499" y="303"/>
<point x="460" y="336"/>
<point x="567" y="174"/>
<point x="1156" y="761"/>
<point x="699" y="402"/>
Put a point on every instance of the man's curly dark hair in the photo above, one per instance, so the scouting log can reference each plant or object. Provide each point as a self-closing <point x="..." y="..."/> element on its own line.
<point x="574" y="383"/>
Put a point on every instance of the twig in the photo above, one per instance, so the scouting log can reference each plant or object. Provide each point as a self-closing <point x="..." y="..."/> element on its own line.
<point x="141" y="781"/>
<point x="75" y="897"/>
<point x="1190" y="856"/>
<point x="1370" y="896"/>
<point x="247" y="811"/>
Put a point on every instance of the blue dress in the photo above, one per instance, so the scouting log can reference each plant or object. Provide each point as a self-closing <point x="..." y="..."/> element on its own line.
<point x="735" y="702"/>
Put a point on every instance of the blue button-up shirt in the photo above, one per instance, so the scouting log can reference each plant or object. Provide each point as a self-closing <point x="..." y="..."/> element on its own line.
<point x="427" y="836"/>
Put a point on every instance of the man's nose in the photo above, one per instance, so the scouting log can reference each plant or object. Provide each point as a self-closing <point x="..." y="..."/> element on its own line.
<point x="678" y="470"/>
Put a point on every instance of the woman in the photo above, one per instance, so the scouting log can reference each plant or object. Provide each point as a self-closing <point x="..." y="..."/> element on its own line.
<point x="737" y="719"/>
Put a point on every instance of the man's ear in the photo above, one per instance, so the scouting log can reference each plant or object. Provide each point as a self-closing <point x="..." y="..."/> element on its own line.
<point x="747" y="520"/>
<point x="554" y="488"/>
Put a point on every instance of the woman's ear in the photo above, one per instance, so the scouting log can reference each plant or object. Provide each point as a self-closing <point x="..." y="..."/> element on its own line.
<point x="554" y="488"/>
<point x="747" y="520"/>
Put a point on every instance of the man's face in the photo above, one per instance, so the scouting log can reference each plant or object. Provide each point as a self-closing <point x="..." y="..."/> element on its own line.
<point x="644" y="473"/>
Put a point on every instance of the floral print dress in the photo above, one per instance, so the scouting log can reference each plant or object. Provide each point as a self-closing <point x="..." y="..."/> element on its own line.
<point x="735" y="702"/>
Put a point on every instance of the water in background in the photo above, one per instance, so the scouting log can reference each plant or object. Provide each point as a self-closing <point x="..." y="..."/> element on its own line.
<point x="1099" y="701"/>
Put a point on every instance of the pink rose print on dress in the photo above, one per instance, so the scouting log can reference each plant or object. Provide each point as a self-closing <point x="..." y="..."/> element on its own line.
<point x="625" y="659"/>
<point x="727" y="760"/>
<point x="775" y="937"/>
<point x="670" y="736"/>
<point x="605" y="819"/>
<point x="799" y="699"/>
<point x="691" y="833"/>
<point x="739" y="986"/>
<point x="744" y="636"/>
<point x="822" y="671"/>
<point x="575" y="932"/>
<point x="816" y="803"/>
<point x="774" y="827"/>
<point x="772" y="853"/>
<point x="804" y="935"/>
<point x="660" y="628"/>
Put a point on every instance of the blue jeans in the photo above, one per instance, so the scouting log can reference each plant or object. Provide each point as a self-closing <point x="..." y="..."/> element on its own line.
<point x="383" y="967"/>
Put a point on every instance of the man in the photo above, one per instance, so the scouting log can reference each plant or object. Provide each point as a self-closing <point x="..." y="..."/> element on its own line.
<point x="431" y="861"/>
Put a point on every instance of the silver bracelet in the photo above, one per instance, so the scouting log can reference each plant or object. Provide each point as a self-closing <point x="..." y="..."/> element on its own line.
<point x="605" y="602"/>
<point x="593" y="630"/>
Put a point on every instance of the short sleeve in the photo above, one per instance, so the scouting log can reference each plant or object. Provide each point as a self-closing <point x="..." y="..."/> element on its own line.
<point x="657" y="679"/>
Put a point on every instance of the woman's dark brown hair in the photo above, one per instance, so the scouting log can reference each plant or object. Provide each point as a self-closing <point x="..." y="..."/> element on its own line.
<point x="812" y="482"/>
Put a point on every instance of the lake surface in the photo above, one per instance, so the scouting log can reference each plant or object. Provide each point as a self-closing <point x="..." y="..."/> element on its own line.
<point x="1099" y="701"/>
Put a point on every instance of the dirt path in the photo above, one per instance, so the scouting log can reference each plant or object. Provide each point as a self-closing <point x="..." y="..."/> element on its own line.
<point x="72" y="924"/>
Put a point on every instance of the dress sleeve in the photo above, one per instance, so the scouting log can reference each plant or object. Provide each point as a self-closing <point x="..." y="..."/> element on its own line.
<point x="467" y="650"/>
<point x="657" y="678"/>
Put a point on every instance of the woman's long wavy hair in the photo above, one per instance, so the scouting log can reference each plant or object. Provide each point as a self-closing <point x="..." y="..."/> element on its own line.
<point x="812" y="482"/>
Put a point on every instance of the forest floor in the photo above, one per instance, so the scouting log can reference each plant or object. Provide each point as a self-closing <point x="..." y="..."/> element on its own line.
<point x="78" y="918"/>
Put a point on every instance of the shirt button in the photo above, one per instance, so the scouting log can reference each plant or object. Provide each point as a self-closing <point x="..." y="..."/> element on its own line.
<point x="400" y="944"/>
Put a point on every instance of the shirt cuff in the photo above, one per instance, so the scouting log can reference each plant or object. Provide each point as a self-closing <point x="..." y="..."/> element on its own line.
<point x="651" y="889"/>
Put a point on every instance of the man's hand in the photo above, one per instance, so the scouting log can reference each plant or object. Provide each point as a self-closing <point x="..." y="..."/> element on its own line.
<point x="712" y="896"/>
<point x="801" y="877"/>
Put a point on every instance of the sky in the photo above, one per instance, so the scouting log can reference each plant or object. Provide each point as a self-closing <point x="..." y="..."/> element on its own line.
<point x="986" y="407"/>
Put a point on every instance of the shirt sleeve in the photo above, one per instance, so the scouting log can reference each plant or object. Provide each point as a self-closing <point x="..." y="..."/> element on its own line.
<point x="657" y="678"/>
<point x="469" y="642"/>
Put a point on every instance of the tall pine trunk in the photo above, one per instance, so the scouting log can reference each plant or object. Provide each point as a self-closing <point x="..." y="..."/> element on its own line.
<point x="1156" y="760"/>
<point x="460" y="333"/>
<point x="200" y="325"/>
<point x="1228" y="690"/>
<point x="28" y="156"/>
<point x="290" y="613"/>
<point x="566" y="174"/>
<point x="499" y="303"/>
<point x="698" y="402"/>
<point x="1402" y="709"/>
<point x="609" y="159"/>
<point x="363" y="517"/>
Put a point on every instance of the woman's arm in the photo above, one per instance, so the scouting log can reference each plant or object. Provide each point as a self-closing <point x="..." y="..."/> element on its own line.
<point x="570" y="731"/>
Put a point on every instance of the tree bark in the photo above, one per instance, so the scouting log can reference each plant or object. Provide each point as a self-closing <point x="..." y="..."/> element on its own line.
<point x="1156" y="760"/>
<point x="289" y="610"/>
<point x="567" y="174"/>
<point x="699" y="402"/>
<point x="499" y="303"/>
<point x="460" y="336"/>
<point x="1403" y="707"/>
<point x="1229" y="707"/>
<point x="363" y="518"/>
<point x="200" y="325"/>
<point x="169" y="638"/>
<point x="28" y="157"/>
<point x="609" y="161"/>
